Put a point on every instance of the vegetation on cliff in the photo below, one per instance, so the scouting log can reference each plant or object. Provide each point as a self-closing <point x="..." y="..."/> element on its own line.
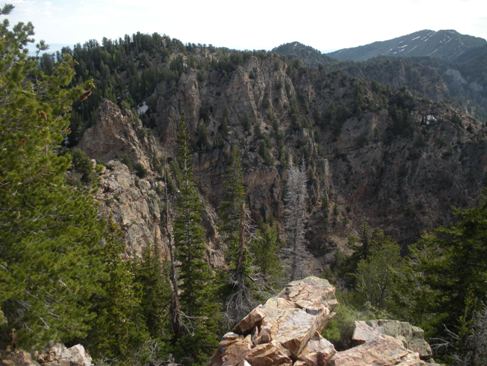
<point x="63" y="272"/>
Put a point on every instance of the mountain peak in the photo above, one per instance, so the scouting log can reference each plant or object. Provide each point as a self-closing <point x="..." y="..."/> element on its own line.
<point x="309" y="55"/>
<point x="443" y="44"/>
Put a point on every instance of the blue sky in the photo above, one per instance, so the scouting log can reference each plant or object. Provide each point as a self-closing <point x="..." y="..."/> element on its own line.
<point x="251" y="24"/>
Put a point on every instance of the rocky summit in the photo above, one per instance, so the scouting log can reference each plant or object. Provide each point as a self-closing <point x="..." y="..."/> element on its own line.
<point x="286" y="329"/>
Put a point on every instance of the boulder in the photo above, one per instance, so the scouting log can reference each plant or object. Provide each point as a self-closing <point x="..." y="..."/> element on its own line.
<point x="268" y="354"/>
<point x="411" y="337"/>
<point x="383" y="350"/>
<point x="56" y="355"/>
<point x="17" y="358"/>
<point x="318" y="351"/>
<point x="60" y="355"/>
<point x="286" y="331"/>
<point x="281" y="330"/>
<point x="232" y="350"/>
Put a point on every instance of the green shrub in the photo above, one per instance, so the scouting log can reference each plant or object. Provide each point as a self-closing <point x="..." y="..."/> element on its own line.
<point x="340" y="329"/>
<point x="140" y="171"/>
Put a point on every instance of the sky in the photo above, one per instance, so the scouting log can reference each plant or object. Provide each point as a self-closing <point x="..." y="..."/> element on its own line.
<point x="251" y="24"/>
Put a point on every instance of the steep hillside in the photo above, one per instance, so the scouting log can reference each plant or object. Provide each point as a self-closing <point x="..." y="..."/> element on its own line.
<point x="462" y="83"/>
<point x="444" y="44"/>
<point x="473" y="64"/>
<point x="384" y="157"/>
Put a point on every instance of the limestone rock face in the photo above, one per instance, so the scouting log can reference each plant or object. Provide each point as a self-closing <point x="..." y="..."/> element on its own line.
<point x="286" y="328"/>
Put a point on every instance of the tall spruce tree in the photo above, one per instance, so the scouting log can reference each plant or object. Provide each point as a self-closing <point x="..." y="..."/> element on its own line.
<point x="236" y="232"/>
<point x="119" y="327"/>
<point x="265" y="247"/>
<point x="49" y="231"/>
<point x="197" y="298"/>
<point x="151" y="276"/>
<point x="450" y="267"/>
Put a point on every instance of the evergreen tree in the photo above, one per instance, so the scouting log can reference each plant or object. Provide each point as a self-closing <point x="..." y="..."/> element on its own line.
<point x="361" y="247"/>
<point x="119" y="327"/>
<point x="155" y="295"/>
<point x="49" y="231"/>
<point x="451" y="266"/>
<point x="197" y="299"/>
<point x="152" y="277"/>
<point x="236" y="234"/>
<point x="379" y="273"/>
<point x="265" y="247"/>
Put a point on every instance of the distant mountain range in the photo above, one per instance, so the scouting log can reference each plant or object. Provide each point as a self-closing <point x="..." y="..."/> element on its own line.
<point x="442" y="66"/>
<point x="444" y="44"/>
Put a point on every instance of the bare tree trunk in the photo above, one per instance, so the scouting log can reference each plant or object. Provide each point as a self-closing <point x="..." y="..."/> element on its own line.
<point x="295" y="213"/>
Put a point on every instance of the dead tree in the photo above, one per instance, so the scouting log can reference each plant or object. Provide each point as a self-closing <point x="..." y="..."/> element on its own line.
<point x="295" y="214"/>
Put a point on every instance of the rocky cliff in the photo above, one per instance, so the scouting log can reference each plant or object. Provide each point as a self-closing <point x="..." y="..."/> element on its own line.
<point x="286" y="331"/>
<point x="372" y="154"/>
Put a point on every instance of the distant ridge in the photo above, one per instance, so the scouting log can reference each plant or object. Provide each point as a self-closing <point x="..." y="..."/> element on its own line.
<point x="309" y="55"/>
<point x="444" y="44"/>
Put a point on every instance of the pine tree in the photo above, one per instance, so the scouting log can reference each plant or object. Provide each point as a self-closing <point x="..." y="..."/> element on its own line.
<point x="451" y="266"/>
<point x="155" y="295"/>
<point x="49" y="231"/>
<point x="377" y="276"/>
<point x="197" y="299"/>
<point x="361" y="246"/>
<point x="295" y="214"/>
<point x="265" y="247"/>
<point x="119" y="327"/>
<point x="236" y="234"/>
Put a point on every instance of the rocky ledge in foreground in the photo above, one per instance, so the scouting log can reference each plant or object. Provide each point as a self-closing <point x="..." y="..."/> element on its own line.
<point x="286" y="331"/>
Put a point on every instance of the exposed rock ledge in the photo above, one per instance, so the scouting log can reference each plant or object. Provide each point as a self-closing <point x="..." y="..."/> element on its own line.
<point x="286" y="331"/>
<point x="56" y="355"/>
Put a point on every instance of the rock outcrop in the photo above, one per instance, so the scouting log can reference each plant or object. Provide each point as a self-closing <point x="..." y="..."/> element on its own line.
<point x="411" y="337"/>
<point x="286" y="331"/>
<point x="131" y="186"/>
<point x="283" y="330"/>
<point x="60" y="355"/>
<point x="135" y="205"/>
<point x="119" y="134"/>
<point x="384" y="351"/>
<point x="56" y="355"/>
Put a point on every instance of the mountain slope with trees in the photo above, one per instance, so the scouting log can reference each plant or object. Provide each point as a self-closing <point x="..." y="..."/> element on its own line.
<point x="217" y="175"/>
<point x="446" y="45"/>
